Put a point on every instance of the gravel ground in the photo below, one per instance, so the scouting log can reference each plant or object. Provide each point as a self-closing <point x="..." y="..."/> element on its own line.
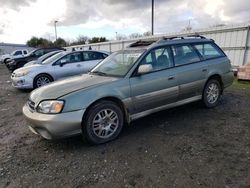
<point x="188" y="146"/>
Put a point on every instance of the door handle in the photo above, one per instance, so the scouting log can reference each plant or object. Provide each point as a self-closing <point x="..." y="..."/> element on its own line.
<point x="171" y="78"/>
<point x="204" y="70"/>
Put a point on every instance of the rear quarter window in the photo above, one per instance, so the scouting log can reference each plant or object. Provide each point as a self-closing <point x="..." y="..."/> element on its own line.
<point x="208" y="50"/>
<point x="89" y="56"/>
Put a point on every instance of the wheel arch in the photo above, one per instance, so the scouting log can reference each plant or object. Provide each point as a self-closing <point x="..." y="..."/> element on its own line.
<point x="5" y="59"/>
<point x="116" y="100"/>
<point x="216" y="77"/>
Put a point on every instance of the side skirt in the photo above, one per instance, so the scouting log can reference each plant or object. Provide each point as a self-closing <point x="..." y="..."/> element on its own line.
<point x="171" y="105"/>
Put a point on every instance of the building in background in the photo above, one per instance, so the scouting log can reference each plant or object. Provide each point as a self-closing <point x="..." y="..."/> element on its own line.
<point x="233" y="39"/>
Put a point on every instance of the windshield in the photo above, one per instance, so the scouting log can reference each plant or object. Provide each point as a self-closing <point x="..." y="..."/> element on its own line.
<point x="118" y="63"/>
<point x="46" y="56"/>
<point x="53" y="58"/>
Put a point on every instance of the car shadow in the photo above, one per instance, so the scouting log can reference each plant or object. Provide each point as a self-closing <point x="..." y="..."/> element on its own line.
<point x="138" y="128"/>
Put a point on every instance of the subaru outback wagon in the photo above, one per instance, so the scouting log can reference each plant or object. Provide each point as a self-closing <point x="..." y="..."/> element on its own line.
<point x="144" y="78"/>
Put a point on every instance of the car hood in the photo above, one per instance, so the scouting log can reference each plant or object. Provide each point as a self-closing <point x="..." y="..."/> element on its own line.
<point x="19" y="58"/>
<point x="60" y="88"/>
<point x="30" y="63"/>
<point x="28" y="68"/>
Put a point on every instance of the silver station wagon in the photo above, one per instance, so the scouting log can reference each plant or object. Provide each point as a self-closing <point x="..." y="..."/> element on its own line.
<point x="144" y="78"/>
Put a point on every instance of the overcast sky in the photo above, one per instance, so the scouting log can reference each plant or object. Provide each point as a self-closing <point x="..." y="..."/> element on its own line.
<point x="22" y="19"/>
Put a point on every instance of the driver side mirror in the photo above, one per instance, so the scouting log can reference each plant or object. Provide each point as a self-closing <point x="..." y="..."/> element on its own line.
<point x="62" y="62"/>
<point x="144" y="69"/>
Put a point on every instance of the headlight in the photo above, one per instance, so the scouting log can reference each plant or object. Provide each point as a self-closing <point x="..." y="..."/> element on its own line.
<point x="20" y="74"/>
<point x="50" y="107"/>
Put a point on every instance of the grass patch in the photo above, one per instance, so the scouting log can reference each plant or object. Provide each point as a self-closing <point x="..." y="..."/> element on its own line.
<point x="242" y="84"/>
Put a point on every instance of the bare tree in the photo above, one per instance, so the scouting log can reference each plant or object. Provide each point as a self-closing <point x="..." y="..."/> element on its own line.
<point x="135" y="35"/>
<point x="147" y="33"/>
<point x="121" y="37"/>
<point x="81" y="39"/>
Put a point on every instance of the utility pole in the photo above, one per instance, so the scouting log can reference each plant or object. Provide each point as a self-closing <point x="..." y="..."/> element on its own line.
<point x="152" y="24"/>
<point x="55" y="29"/>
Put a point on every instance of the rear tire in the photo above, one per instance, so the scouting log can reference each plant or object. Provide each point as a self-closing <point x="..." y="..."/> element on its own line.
<point x="102" y="123"/>
<point x="212" y="93"/>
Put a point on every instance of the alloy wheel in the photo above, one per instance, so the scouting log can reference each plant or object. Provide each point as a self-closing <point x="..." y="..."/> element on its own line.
<point x="43" y="80"/>
<point x="105" y="123"/>
<point x="212" y="93"/>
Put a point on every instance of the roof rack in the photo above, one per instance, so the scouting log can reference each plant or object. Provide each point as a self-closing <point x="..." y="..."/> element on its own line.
<point x="142" y="43"/>
<point x="149" y="42"/>
<point x="197" y="36"/>
<point x="184" y="37"/>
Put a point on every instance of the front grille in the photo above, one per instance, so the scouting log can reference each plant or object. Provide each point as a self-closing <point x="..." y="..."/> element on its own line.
<point x="31" y="105"/>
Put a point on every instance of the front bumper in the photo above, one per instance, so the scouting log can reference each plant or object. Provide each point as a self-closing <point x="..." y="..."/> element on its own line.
<point x="11" y="65"/>
<point x="24" y="82"/>
<point x="53" y="126"/>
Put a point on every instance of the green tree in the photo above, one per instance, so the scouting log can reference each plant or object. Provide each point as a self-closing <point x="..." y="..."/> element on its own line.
<point x="60" y="42"/>
<point x="43" y="43"/>
<point x="97" y="39"/>
<point x="33" y="42"/>
<point x="39" y="42"/>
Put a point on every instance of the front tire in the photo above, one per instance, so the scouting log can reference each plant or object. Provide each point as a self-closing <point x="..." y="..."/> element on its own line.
<point x="212" y="93"/>
<point x="102" y="123"/>
<point x="42" y="80"/>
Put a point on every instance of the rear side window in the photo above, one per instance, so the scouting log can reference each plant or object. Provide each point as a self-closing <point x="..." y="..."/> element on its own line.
<point x="184" y="54"/>
<point x="88" y="56"/>
<point x="25" y="52"/>
<point x="208" y="50"/>
<point x="70" y="58"/>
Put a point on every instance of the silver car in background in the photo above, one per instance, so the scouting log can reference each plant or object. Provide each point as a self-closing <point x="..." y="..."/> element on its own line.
<point x="61" y="65"/>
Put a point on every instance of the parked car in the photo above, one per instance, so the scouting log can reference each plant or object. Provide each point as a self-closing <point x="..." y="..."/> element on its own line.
<point x="15" y="63"/>
<point x="61" y="65"/>
<point x="14" y="54"/>
<point x="144" y="78"/>
<point x="42" y="58"/>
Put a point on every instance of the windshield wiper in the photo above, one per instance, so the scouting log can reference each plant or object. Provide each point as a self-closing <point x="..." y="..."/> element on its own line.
<point x="99" y="73"/>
